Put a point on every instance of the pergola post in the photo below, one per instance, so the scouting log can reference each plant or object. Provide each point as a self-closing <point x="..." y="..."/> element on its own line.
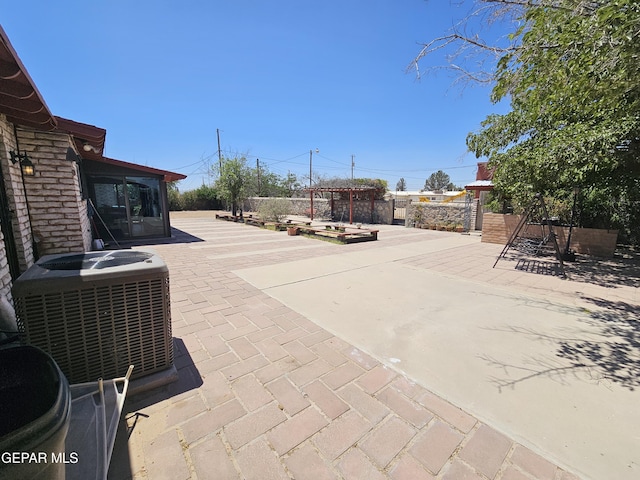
<point x="332" y="205"/>
<point x="342" y="190"/>
<point x="373" y="203"/>
<point x="350" y="206"/>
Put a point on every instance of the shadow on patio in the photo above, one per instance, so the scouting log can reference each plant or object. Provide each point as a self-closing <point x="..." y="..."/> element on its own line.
<point x="188" y="379"/>
<point x="607" y="349"/>
<point x="621" y="270"/>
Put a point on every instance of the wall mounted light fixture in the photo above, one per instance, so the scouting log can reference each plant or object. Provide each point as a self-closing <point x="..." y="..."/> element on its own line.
<point x="26" y="165"/>
<point x="87" y="147"/>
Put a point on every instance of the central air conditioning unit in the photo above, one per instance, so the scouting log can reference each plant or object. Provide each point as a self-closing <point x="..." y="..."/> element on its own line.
<point x="97" y="313"/>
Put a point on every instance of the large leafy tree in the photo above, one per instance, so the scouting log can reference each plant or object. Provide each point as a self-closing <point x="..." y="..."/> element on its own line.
<point x="571" y="72"/>
<point x="574" y="85"/>
<point x="232" y="181"/>
<point x="379" y="185"/>
<point x="438" y="181"/>
<point x="264" y="183"/>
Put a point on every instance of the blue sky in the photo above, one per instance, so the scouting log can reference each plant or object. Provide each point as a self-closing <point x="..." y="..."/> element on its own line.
<point x="277" y="78"/>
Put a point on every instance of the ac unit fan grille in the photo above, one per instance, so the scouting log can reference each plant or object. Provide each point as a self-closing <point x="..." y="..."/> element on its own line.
<point x="97" y="332"/>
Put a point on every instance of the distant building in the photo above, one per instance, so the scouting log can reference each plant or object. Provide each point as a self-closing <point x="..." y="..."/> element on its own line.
<point x="481" y="188"/>
<point x="428" y="196"/>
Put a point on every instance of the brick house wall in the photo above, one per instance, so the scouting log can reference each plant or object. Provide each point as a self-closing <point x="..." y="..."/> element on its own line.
<point x="10" y="173"/>
<point x="58" y="212"/>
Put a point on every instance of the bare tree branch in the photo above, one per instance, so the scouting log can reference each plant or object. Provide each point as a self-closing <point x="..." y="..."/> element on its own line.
<point x="472" y="46"/>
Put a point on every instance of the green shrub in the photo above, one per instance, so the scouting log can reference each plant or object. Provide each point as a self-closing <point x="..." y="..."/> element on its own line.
<point x="202" y="198"/>
<point x="176" y="201"/>
<point x="274" y="209"/>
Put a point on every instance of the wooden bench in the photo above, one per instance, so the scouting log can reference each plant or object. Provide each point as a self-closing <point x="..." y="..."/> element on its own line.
<point x="354" y="236"/>
<point x="253" y="221"/>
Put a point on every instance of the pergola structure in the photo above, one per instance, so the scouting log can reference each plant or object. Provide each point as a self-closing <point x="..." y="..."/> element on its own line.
<point x="349" y="190"/>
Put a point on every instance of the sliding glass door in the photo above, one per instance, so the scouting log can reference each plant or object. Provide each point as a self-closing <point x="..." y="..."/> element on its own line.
<point x="145" y="207"/>
<point x="127" y="207"/>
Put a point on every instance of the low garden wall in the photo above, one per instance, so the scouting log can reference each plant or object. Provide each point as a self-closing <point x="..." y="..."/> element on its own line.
<point x="424" y="214"/>
<point x="382" y="209"/>
<point x="497" y="228"/>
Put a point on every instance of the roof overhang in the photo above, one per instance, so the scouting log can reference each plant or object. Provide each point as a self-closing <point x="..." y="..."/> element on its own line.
<point x="20" y="100"/>
<point x="480" y="185"/>
<point x="165" y="174"/>
<point x="88" y="139"/>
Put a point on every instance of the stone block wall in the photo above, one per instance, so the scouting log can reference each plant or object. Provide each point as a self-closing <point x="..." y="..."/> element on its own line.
<point x="382" y="211"/>
<point x="425" y="213"/>
<point x="299" y="206"/>
<point x="497" y="228"/>
<point x="58" y="213"/>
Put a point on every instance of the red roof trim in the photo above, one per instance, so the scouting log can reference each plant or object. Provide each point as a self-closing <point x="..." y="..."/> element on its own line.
<point x="84" y="134"/>
<point x="24" y="104"/>
<point x="82" y="130"/>
<point x="168" y="176"/>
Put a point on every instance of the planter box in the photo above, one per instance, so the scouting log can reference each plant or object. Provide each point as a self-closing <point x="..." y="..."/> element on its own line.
<point x="497" y="228"/>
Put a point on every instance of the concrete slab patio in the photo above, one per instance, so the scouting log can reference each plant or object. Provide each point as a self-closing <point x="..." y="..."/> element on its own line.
<point x="409" y="357"/>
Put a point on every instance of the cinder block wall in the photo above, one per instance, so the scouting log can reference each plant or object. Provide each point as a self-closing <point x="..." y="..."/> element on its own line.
<point x="58" y="212"/>
<point x="497" y="228"/>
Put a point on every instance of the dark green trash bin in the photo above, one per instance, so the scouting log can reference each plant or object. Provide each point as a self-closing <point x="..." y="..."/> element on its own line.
<point x="35" y="405"/>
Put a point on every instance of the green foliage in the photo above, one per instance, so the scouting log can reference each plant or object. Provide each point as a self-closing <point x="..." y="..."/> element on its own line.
<point x="401" y="186"/>
<point x="174" y="198"/>
<point x="438" y="181"/>
<point x="574" y="86"/>
<point x="611" y="209"/>
<point x="231" y="185"/>
<point x="380" y="186"/>
<point x="202" y="198"/>
<point x="263" y="183"/>
<point x="274" y="209"/>
<point x="291" y="185"/>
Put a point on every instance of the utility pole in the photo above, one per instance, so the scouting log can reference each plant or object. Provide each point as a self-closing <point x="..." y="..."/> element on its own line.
<point x="310" y="169"/>
<point x="219" y="151"/>
<point x="352" y="165"/>
<point x="258" y="170"/>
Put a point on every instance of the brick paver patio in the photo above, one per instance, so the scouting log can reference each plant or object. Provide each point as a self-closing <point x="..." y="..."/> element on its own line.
<point x="264" y="393"/>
